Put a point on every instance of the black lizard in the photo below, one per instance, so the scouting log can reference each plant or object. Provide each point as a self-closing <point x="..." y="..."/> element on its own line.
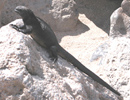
<point x="41" y="32"/>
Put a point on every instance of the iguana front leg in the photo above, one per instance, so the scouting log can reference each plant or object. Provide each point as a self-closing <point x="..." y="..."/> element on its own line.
<point x="26" y="29"/>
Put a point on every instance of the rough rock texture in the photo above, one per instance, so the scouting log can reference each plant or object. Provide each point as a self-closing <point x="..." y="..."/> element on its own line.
<point x="26" y="73"/>
<point x="119" y="48"/>
<point x="116" y="59"/>
<point x="116" y="64"/>
<point x="60" y="14"/>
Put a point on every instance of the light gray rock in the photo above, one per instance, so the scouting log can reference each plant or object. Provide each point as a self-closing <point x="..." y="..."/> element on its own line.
<point x="26" y="73"/>
<point x="116" y="64"/>
<point x="120" y="24"/>
<point x="116" y="61"/>
<point x="100" y="52"/>
<point x="61" y="15"/>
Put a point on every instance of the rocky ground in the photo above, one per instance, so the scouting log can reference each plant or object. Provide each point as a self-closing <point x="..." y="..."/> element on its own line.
<point x="26" y="73"/>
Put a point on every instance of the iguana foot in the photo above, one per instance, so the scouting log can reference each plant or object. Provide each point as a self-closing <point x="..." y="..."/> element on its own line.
<point x="15" y="27"/>
<point x="54" y="59"/>
<point x="53" y="53"/>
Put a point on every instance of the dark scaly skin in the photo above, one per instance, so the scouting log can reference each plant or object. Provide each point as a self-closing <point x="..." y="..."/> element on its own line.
<point x="41" y="32"/>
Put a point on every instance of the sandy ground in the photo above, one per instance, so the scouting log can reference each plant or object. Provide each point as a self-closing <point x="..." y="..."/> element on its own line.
<point x="83" y="41"/>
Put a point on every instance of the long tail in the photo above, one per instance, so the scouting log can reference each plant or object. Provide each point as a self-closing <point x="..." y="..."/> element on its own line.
<point x="82" y="68"/>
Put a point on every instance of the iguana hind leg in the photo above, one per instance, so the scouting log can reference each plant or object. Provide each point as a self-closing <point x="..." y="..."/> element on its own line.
<point x="53" y="53"/>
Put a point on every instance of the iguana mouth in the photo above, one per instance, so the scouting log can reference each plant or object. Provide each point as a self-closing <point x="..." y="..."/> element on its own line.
<point x="17" y="11"/>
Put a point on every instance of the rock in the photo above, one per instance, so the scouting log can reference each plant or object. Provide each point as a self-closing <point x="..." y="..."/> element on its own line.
<point x="116" y="61"/>
<point x="26" y="73"/>
<point x="116" y="64"/>
<point x="120" y="21"/>
<point x="61" y="15"/>
<point x="100" y="52"/>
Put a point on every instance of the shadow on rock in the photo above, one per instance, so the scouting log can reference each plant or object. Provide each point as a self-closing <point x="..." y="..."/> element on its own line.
<point x="98" y="11"/>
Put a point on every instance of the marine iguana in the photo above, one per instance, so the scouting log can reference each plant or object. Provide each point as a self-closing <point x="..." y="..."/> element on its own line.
<point x="41" y="32"/>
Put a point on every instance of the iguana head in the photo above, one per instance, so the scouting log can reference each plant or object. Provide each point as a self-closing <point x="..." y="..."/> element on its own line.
<point x="24" y="12"/>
